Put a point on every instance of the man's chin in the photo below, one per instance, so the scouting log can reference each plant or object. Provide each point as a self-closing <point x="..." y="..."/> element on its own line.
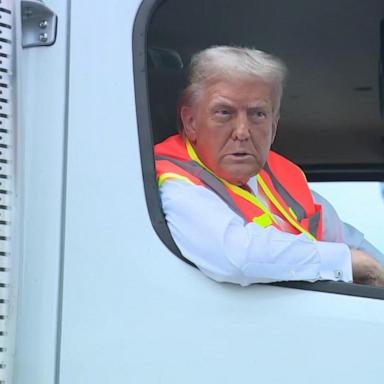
<point x="237" y="174"/>
<point x="238" y="179"/>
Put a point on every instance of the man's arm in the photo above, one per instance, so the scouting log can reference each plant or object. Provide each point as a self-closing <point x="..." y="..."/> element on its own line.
<point x="367" y="260"/>
<point x="227" y="249"/>
<point x="336" y="230"/>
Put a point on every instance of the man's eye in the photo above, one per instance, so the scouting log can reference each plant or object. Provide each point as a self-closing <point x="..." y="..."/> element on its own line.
<point x="222" y="112"/>
<point x="259" y="114"/>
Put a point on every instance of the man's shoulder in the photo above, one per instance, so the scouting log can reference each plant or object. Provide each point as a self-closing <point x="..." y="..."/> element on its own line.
<point x="280" y="164"/>
<point x="275" y="158"/>
<point x="171" y="145"/>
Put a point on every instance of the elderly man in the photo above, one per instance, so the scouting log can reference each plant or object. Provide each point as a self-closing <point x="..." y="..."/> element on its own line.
<point x="237" y="210"/>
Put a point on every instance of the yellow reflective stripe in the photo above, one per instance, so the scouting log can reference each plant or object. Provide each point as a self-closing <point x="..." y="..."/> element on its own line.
<point x="234" y="188"/>
<point x="192" y="154"/>
<point x="170" y="175"/>
<point x="292" y="213"/>
<point x="265" y="220"/>
<point x="281" y="209"/>
<point x="248" y="196"/>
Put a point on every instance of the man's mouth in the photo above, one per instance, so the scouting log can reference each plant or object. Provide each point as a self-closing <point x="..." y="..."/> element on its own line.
<point x="240" y="154"/>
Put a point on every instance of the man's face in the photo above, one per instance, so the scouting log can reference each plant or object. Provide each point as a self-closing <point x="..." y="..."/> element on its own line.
<point x="231" y="126"/>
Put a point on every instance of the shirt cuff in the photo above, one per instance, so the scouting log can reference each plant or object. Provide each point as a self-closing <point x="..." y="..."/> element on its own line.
<point x="336" y="261"/>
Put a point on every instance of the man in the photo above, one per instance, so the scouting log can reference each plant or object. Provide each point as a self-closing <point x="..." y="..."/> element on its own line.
<point x="240" y="212"/>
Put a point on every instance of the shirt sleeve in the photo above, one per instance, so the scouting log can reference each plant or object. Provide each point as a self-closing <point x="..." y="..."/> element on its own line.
<point x="227" y="249"/>
<point x="336" y="230"/>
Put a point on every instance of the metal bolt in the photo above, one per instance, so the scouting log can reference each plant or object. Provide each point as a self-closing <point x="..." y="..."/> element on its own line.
<point x="43" y="37"/>
<point x="43" y="24"/>
<point x="338" y="274"/>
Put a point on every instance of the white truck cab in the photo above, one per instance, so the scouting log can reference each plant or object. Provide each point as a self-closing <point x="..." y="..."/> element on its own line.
<point x="94" y="290"/>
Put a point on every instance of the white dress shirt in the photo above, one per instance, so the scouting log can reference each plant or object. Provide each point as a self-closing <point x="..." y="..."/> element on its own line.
<point x="227" y="249"/>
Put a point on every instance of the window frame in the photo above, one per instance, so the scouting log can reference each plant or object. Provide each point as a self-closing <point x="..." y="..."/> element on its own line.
<point x="140" y="72"/>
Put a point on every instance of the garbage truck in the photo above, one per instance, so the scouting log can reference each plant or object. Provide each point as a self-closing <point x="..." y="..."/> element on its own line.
<point x="93" y="287"/>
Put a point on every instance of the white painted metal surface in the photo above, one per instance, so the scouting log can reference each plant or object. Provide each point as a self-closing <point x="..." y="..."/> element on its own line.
<point x="41" y="143"/>
<point x="128" y="311"/>
<point x="142" y="315"/>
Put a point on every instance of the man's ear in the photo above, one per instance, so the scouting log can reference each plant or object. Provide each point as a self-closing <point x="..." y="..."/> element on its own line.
<point x="188" y="119"/>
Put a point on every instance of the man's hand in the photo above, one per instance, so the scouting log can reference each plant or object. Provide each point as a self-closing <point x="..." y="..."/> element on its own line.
<point x="366" y="270"/>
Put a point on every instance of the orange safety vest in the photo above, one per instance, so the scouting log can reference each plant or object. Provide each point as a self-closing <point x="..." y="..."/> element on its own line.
<point x="283" y="183"/>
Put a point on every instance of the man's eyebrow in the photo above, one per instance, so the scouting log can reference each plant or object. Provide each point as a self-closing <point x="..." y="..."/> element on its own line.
<point x="260" y="103"/>
<point x="264" y="105"/>
<point x="221" y="104"/>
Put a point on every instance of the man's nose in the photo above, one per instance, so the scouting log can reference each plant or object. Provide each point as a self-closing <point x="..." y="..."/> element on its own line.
<point x="241" y="128"/>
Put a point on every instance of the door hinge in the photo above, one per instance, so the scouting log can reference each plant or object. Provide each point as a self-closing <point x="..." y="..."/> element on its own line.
<point x="38" y="24"/>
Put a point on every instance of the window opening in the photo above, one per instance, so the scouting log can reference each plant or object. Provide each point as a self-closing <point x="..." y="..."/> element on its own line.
<point x="330" y="121"/>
